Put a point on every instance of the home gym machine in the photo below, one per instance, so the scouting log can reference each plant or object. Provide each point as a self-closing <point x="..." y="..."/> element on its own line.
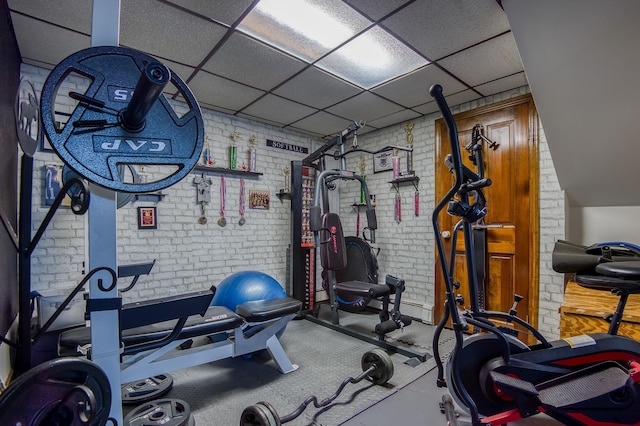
<point x="347" y="293"/>
<point x="583" y="380"/>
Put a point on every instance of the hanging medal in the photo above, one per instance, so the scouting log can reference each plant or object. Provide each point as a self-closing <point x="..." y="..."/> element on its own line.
<point x="204" y="196"/>
<point x="223" y="194"/>
<point x="202" y="220"/>
<point x="242" y="203"/>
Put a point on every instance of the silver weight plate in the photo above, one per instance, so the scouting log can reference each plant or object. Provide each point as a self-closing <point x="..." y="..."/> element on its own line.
<point x="90" y="136"/>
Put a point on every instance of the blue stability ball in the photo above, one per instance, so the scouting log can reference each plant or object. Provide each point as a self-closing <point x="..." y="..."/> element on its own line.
<point x="246" y="286"/>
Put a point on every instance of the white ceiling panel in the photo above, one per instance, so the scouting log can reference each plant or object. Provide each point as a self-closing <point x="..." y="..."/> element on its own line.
<point x="223" y="11"/>
<point x="316" y="88"/>
<point x="502" y="84"/>
<point x="322" y="124"/>
<point x="404" y="115"/>
<point x="222" y="93"/>
<point x="264" y="69"/>
<point x="364" y="107"/>
<point x="438" y="28"/>
<point x="477" y="66"/>
<point x="46" y="44"/>
<point x="75" y="15"/>
<point x="413" y="89"/>
<point x="167" y="32"/>
<point x="375" y="9"/>
<point x="277" y="109"/>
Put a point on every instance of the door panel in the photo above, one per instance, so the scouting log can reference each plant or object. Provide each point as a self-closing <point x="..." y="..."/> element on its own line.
<point x="511" y="224"/>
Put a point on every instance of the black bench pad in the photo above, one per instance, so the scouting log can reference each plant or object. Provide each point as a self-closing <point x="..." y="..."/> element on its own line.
<point x="265" y="310"/>
<point x="362" y="289"/>
<point x="215" y="320"/>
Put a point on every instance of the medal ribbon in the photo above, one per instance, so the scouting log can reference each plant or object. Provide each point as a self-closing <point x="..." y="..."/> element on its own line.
<point x="223" y="195"/>
<point x="242" y="198"/>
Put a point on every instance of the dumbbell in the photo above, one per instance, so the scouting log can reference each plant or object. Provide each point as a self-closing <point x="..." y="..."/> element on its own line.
<point x="376" y="367"/>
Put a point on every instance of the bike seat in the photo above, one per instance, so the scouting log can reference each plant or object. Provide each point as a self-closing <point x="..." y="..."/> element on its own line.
<point x="623" y="276"/>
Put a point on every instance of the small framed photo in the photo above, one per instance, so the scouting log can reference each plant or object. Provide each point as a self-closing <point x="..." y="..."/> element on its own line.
<point x="259" y="200"/>
<point x="382" y="162"/>
<point x="147" y="218"/>
<point x="53" y="185"/>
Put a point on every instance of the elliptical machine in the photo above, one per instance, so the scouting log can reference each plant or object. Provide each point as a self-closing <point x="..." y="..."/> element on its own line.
<point x="583" y="380"/>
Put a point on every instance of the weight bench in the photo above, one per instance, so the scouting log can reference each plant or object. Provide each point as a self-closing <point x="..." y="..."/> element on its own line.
<point x="152" y="331"/>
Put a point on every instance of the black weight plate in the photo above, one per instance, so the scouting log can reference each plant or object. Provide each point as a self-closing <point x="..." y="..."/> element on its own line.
<point x="27" y="113"/>
<point x="172" y="142"/>
<point x="383" y="366"/>
<point x="36" y="397"/>
<point x="147" y="389"/>
<point x="260" y="414"/>
<point x="165" y="412"/>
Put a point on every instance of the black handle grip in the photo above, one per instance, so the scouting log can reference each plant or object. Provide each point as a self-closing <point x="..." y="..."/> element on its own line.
<point x="152" y="82"/>
<point x="473" y="186"/>
<point x="436" y="92"/>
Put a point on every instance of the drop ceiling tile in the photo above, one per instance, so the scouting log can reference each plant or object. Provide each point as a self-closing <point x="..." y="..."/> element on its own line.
<point x="364" y="107"/>
<point x="224" y="11"/>
<point x="166" y="32"/>
<point x="413" y="89"/>
<point x="316" y="88"/>
<point x="503" y="84"/>
<point x="73" y="14"/>
<point x="255" y="64"/>
<point x="441" y="27"/>
<point x="322" y="123"/>
<point x="277" y="109"/>
<point x="428" y="108"/>
<point x="376" y="9"/>
<point x="453" y="100"/>
<point x="44" y="43"/>
<point x="398" y="117"/>
<point x="182" y="71"/>
<point x="488" y="61"/>
<point x="460" y="98"/>
<point x="213" y="90"/>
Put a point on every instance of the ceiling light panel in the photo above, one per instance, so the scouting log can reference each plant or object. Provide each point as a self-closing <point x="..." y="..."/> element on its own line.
<point x="371" y="59"/>
<point x="306" y="29"/>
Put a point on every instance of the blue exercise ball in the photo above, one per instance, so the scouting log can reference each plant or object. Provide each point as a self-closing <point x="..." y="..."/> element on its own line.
<point x="246" y="286"/>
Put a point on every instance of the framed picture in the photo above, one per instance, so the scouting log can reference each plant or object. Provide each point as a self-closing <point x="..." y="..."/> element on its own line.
<point x="53" y="184"/>
<point x="147" y="218"/>
<point x="382" y="162"/>
<point x="259" y="200"/>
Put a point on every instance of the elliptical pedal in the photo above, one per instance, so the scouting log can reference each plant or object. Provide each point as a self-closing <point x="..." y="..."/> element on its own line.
<point x="571" y="389"/>
<point x="583" y="385"/>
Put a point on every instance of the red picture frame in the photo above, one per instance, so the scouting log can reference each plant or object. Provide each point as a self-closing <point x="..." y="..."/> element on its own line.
<point x="147" y="218"/>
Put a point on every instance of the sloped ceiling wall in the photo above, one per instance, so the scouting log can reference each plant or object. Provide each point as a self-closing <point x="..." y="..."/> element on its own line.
<point x="582" y="61"/>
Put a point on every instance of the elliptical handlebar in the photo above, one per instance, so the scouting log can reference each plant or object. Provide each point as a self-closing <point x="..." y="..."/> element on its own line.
<point x="456" y="158"/>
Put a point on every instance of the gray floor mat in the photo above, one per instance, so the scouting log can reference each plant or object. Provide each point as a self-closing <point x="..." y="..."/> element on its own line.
<point x="218" y="392"/>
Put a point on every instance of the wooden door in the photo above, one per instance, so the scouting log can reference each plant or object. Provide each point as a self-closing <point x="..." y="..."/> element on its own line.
<point x="512" y="201"/>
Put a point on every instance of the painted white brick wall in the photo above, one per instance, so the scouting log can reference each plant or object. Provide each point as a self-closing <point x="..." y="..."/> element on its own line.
<point x="189" y="256"/>
<point x="192" y="256"/>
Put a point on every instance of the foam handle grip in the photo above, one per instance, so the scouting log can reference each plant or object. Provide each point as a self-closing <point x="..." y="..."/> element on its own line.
<point x="315" y="219"/>
<point x="152" y="82"/>
<point x="372" y="221"/>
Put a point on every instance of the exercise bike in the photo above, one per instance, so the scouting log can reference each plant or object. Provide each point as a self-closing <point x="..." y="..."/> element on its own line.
<point x="584" y="380"/>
